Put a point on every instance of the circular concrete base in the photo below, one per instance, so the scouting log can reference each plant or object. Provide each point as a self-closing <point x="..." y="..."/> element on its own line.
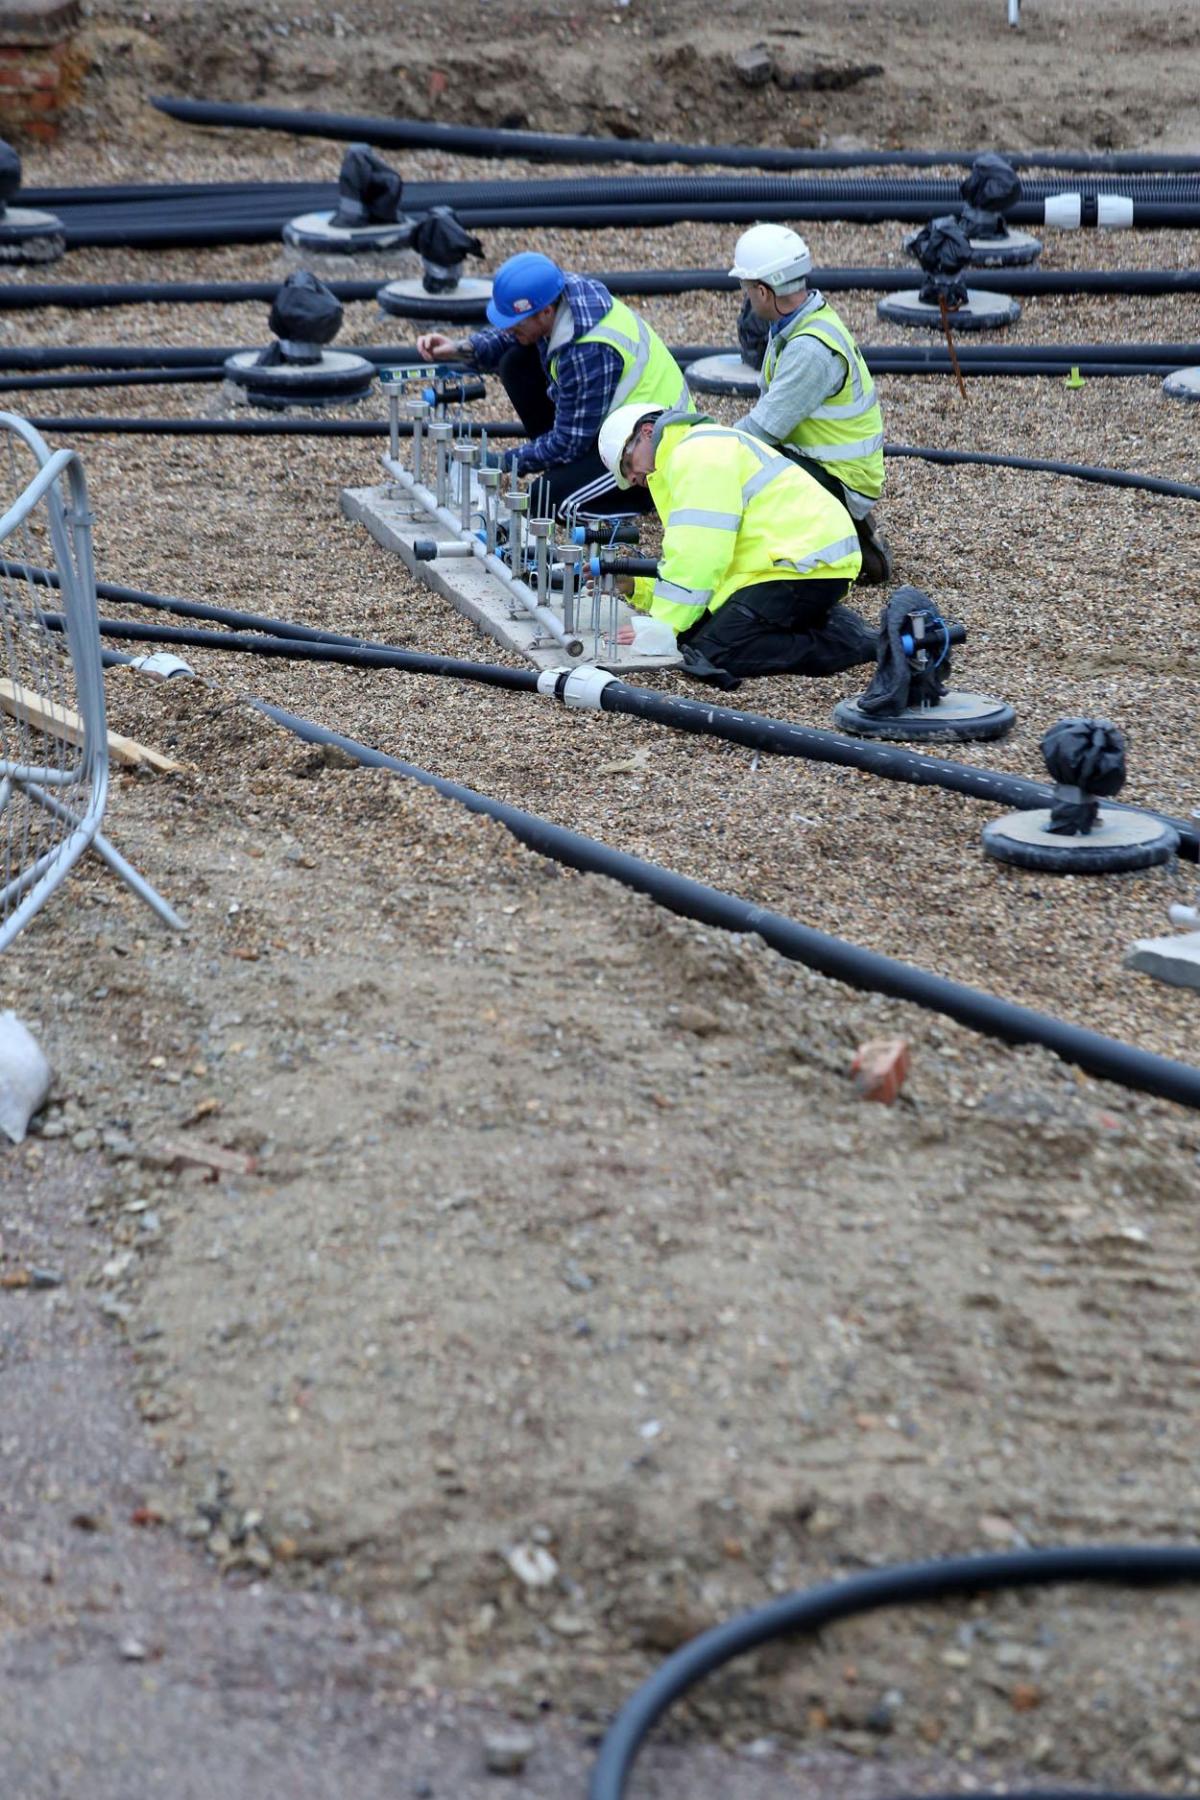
<point x="1015" y="251"/>
<point x="983" y="312"/>
<point x="960" y="717"/>
<point x="1120" y="841"/>
<point x="411" y="299"/>
<point x="316" y="231"/>
<point x="1183" y="384"/>
<point x="339" y="376"/>
<point x="28" y="236"/>
<point x="726" y="374"/>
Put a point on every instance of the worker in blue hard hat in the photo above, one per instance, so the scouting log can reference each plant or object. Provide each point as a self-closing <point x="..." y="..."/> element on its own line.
<point x="567" y="354"/>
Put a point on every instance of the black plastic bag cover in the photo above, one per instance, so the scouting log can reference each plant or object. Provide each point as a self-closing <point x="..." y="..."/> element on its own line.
<point x="304" y="315"/>
<point x="752" y="336"/>
<point x="898" y="682"/>
<point x="941" y="247"/>
<point x="369" y="192"/>
<point x="1086" y="758"/>
<point x="10" y="172"/>
<point x="443" y="244"/>
<point x="993" y="185"/>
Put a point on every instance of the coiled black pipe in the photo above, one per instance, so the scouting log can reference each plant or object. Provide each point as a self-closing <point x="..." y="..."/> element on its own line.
<point x="905" y="1585"/>
<point x="31" y="296"/>
<point x="474" y="140"/>
<point x="752" y="730"/>
<point x="1104" y="1057"/>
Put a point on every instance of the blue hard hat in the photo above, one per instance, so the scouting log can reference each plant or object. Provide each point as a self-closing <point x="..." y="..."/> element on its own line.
<point x="523" y="285"/>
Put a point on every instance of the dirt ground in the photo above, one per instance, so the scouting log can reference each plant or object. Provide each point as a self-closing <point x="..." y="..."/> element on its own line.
<point x="559" y="1296"/>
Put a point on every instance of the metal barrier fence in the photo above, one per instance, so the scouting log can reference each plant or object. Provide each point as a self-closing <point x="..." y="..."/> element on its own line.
<point x="53" y="736"/>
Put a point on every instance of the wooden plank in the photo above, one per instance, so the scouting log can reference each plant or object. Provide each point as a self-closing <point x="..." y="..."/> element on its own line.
<point x="65" y="724"/>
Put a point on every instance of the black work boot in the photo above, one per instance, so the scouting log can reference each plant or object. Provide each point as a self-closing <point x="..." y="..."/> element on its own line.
<point x="876" y="557"/>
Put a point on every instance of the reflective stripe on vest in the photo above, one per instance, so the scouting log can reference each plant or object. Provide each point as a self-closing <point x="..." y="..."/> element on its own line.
<point x="696" y="598"/>
<point x="829" y="553"/>
<point x="636" y="352"/>
<point x="861" y="400"/>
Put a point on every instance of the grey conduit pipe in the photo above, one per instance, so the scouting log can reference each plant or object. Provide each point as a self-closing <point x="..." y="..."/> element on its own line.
<point x="474" y="140"/>
<point x="1106" y="1058"/>
<point x="911" y="1584"/>
<point x="753" y="731"/>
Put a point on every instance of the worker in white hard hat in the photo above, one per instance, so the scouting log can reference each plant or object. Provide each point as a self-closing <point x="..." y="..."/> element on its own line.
<point x="756" y="554"/>
<point x="818" y="400"/>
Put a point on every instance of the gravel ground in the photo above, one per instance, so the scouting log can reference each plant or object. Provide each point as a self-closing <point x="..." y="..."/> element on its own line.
<point x="566" y="1234"/>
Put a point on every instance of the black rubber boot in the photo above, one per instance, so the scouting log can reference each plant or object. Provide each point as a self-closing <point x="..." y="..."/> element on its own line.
<point x="876" y="557"/>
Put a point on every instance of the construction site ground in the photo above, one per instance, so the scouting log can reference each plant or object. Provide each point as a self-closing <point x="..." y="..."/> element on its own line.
<point x="555" y="1295"/>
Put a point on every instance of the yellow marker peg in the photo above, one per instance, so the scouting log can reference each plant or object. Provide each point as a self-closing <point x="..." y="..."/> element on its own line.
<point x="1074" y="379"/>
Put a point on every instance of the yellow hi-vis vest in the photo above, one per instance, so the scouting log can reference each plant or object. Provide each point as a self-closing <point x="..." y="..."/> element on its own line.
<point x="649" y="372"/>
<point x="735" y="513"/>
<point x="845" y="434"/>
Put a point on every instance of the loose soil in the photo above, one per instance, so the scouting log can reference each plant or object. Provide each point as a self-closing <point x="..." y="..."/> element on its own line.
<point x="566" y="1298"/>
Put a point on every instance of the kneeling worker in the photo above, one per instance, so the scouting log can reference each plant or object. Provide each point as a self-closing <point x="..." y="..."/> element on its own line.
<point x="755" y="554"/>
<point x="567" y="353"/>
<point x="818" y="399"/>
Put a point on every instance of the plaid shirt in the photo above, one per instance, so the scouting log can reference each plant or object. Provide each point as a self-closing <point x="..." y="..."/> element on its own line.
<point x="588" y="375"/>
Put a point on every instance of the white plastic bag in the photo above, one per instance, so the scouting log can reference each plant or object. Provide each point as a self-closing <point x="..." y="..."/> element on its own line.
<point x="24" y="1077"/>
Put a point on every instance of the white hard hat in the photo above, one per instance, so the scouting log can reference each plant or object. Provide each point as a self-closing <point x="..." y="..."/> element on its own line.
<point x="616" y="432"/>
<point x="774" y="254"/>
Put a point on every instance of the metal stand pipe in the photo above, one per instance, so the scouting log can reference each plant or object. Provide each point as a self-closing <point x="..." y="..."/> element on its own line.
<point x="518" y="590"/>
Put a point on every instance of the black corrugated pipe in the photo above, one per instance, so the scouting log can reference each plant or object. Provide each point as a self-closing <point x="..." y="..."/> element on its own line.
<point x="474" y="140"/>
<point x="1106" y="1058"/>
<point x="907" y="1584"/>
<point x="700" y="718"/>
<point x="29" y="297"/>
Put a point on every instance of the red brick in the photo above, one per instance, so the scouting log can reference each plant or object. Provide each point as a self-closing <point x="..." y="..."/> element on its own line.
<point x="880" y="1067"/>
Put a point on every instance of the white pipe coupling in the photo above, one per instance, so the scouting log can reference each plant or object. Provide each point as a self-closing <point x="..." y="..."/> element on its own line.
<point x="1114" y="212"/>
<point x="1064" y="211"/>
<point x="579" y="688"/>
<point x="1111" y="212"/>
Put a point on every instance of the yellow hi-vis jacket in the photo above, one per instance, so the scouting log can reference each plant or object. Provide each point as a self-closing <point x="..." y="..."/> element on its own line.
<point x="735" y="513"/>
<point x="845" y="434"/>
<point x="649" y="372"/>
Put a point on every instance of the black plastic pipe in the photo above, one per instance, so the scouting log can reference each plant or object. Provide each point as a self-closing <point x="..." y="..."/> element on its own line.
<point x="907" y="1584"/>
<point x="245" y="200"/>
<point x="474" y="140"/>
<point x="150" y="356"/>
<point x="87" y="296"/>
<point x="104" y="378"/>
<point x="676" y="712"/>
<point x="354" y="655"/>
<point x="307" y="427"/>
<point x="1151" y="484"/>
<point x="1106" y="1058"/>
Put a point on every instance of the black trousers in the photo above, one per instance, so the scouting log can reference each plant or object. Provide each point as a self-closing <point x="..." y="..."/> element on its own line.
<point x="583" y="484"/>
<point x="791" y="627"/>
